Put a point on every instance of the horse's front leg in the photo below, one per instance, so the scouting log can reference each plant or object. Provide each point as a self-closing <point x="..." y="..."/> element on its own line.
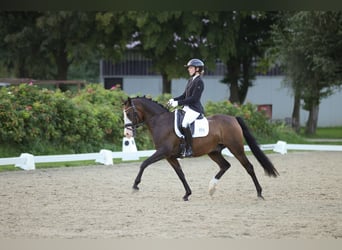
<point x="176" y="166"/>
<point x="158" y="155"/>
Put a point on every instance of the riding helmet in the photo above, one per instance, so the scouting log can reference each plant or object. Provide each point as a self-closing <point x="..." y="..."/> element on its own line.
<point x="195" y="62"/>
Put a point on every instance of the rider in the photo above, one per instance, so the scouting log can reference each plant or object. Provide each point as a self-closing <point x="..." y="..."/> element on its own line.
<point x="190" y="100"/>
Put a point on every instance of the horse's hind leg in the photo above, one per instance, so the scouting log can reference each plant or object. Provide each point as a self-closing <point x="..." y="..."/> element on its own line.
<point x="176" y="166"/>
<point x="241" y="156"/>
<point x="217" y="157"/>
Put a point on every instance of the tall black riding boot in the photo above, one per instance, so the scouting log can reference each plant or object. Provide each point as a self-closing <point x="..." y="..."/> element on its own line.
<point x="188" y="141"/>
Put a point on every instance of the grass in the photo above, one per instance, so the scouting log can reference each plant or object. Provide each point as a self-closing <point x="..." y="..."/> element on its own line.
<point x="324" y="133"/>
<point x="6" y="168"/>
<point x="328" y="133"/>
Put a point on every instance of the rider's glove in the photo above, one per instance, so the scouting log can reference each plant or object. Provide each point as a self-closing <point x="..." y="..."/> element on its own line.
<point x="174" y="103"/>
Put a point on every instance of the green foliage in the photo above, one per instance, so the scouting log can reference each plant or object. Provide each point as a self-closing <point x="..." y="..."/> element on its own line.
<point x="258" y="122"/>
<point x="163" y="99"/>
<point x="107" y="108"/>
<point x="43" y="45"/>
<point x="42" y="121"/>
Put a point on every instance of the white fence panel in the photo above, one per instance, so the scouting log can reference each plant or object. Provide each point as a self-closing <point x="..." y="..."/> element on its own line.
<point x="65" y="158"/>
<point x="27" y="161"/>
<point x="314" y="147"/>
<point x="11" y="161"/>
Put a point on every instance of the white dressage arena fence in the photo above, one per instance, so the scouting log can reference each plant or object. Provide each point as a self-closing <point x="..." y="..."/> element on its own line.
<point x="129" y="152"/>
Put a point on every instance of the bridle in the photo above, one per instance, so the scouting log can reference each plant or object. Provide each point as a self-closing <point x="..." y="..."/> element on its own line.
<point x="135" y="123"/>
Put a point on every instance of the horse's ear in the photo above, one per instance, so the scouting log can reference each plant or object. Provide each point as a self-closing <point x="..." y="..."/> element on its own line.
<point x="124" y="101"/>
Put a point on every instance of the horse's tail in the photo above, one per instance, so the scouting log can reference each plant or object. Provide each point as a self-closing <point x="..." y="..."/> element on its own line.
<point x="258" y="153"/>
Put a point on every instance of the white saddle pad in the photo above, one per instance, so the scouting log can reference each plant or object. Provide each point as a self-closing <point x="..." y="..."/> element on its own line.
<point x="201" y="127"/>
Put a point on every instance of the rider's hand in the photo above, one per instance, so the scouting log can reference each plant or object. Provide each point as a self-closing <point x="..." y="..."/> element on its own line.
<point x="170" y="102"/>
<point x="174" y="103"/>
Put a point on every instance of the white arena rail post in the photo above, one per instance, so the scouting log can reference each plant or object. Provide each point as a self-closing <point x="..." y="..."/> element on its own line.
<point x="280" y="147"/>
<point x="27" y="163"/>
<point x="105" y="157"/>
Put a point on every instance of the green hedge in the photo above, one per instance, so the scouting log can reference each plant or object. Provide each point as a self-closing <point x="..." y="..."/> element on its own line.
<point x="44" y="121"/>
<point x="262" y="128"/>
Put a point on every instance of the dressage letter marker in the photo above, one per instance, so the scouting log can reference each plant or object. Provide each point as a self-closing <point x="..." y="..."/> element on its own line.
<point x="129" y="147"/>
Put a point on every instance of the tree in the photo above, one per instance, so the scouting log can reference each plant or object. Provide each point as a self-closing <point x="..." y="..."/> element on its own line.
<point x="67" y="37"/>
<point x="159" y="35"/>
<point x="44" y="44"/>
<point x="309" y="45"/>
<point x="20" y="45"/>
<point x="115" y="31"/>
<point x="249" y="35"/>
<point x="171" y="38"/>
<point x="150" y="33"/>
<point x="286" y="53"/>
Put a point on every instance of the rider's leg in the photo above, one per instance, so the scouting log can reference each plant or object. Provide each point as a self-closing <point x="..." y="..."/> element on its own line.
<point x="189" y="117"/>
<point x="188" y="142"/>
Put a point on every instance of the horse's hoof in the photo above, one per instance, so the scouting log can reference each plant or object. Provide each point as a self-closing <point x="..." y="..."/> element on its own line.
<point x="185" y="198"/>
<point x="135" y="188"/>
<point x="261" y="197"/>
<point x="212" y="189"/>
<point x="212" y="186"/>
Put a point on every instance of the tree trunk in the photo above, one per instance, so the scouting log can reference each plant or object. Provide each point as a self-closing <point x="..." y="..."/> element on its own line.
<point x="166" y="84"/>
<point x="311" y="124"/>
<point x="312" y="105"/>
<point x="234" y="92"/>
<point x="62" y="66"/>
<point x="22" y="68"/>
<point x="296" y="112"/>
<point x="232" y="78"/>
<point x="62" y="63"/>
<point x="246" y="79"/>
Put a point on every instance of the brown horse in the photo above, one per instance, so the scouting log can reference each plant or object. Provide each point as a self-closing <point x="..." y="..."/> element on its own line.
<point x="224" y="131"/>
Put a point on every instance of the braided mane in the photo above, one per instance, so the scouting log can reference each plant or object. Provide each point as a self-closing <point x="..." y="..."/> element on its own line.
<point x="150" y="99"/>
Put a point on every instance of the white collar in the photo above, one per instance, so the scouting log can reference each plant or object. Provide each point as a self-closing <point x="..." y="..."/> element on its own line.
<point x="193" y="78"/>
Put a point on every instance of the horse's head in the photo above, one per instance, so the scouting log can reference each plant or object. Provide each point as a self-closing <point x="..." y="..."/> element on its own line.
<point x="132" y="117"/>
<point x="139" y="109"/>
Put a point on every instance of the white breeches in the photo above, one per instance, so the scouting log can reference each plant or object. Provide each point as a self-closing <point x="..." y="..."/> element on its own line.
<point x="190" y="116"/>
